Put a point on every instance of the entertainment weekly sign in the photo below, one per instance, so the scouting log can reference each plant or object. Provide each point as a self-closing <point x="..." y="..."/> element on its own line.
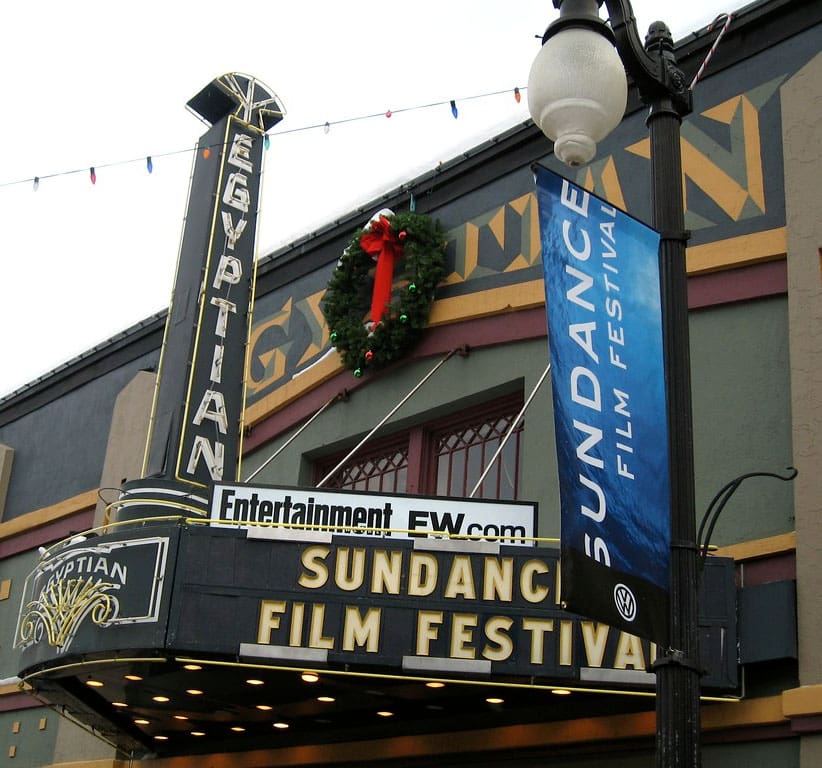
<point x="283" y="512"/>
<point x="602" y="297"/>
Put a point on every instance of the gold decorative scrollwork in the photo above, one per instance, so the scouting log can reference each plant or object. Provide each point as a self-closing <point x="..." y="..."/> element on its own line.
<point x="62" y="607"/>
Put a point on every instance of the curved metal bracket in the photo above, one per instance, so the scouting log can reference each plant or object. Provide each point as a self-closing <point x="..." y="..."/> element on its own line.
<point x="652" y="66"/>
<point x="723" y="495"/>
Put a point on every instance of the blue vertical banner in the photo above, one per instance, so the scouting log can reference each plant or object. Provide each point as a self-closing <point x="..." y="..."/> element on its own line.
<point x="602" y="296"/>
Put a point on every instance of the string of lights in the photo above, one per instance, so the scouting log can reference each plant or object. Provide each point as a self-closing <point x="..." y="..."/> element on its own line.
<point x="92" y="170"/>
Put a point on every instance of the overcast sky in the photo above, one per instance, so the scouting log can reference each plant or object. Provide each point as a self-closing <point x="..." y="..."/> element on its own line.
<point x="103" y="83"/>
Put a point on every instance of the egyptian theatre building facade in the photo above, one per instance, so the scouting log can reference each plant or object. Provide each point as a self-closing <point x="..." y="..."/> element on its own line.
<point x="350" y="555"/>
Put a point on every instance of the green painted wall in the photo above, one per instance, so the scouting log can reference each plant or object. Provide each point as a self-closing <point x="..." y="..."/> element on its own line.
<point x="742" y="416"/>
<point x="741" y="393"/>
<point x="33" y="745"/>
<point x="460" y="383"/>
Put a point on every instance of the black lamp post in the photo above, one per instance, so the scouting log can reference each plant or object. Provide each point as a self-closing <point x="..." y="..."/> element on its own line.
<point x="576" y="95"/>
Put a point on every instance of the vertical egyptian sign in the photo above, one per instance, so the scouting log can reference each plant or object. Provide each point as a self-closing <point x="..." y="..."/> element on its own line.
<point x="211" y="423"/>
<point x="602" y="297"/>
<point x="195" y="435"/>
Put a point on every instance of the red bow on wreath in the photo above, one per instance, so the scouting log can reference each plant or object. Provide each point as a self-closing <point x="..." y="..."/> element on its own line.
<point x="385" y="247"/>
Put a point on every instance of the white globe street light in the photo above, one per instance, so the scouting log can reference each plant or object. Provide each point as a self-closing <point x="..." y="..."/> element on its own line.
<point x="572" y="108"/>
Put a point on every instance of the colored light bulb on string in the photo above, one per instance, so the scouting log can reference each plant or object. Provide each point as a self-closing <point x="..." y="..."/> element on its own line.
<point x="266" y="141"/>
<point x="454" y="111"/>
<point x="92" y="174"/>
<point x="517" y="95"/>
<point x="388" y="113"/>
<point x="326" y="127"/>
<point x="149" y="164"/>
<point x="36" y="184"/>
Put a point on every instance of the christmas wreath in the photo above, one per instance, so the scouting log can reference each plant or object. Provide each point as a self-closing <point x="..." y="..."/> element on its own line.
<point x="409" y="250"/>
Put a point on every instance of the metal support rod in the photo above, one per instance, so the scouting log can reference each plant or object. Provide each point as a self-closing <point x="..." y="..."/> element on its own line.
<point x="663" y="88"/>
<point x="386" y="417"/>
<point x="678" y="676"/>
<point x="509" y="432"/>
<point x="338" y="396"/>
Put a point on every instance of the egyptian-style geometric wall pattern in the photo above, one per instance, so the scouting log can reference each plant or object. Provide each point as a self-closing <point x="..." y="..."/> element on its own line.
<point x="724" y="183"/>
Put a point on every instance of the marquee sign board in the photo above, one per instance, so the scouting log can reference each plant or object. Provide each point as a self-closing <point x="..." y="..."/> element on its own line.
<point x="372" y="514"/>
<point x="399" y="606"/>
<point x="415" y="606"/>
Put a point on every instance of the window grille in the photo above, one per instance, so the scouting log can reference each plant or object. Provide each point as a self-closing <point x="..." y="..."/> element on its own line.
<point x="381" y="470"/>
<point x="462" y="453"/>
<point x="442" y="457"/>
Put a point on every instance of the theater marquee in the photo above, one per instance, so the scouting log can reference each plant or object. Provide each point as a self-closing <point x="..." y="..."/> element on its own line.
<point x="351" y="602"/>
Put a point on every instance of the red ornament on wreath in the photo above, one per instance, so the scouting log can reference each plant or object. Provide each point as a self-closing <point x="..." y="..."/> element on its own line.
<point x="375" y="320"/>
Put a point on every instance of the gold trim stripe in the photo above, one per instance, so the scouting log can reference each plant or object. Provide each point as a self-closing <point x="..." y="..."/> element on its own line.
<point x="496" y="301"/>
<point x="770" y="245"/>
<point x="805" y="701"/>
<point x="768" y="547"/>
<point x="279" y="398"/>
<point x="40" y="517"/>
